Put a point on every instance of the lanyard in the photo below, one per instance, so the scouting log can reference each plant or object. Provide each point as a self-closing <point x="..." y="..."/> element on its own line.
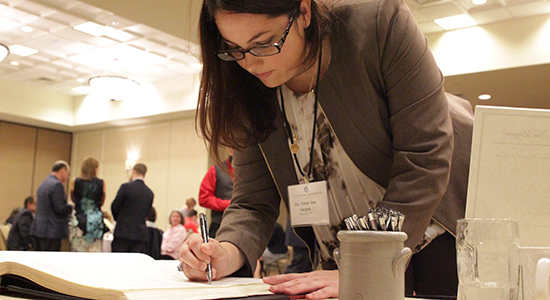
<point x="288" y="129"/>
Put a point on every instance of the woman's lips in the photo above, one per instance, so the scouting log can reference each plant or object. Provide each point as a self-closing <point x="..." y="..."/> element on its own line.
<point x="263" y="76"/>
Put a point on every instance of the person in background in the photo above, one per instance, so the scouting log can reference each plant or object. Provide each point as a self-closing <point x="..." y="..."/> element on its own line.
<point x="192" y="221"/>
<point x="154" y="240"/>
<point x="300" y="254"/>
<point x="88" y="195"/>
<point x="215" y="191"/>
<point x="173" y="238"/>
<point x="275" y="250"/>
<point x="12" y="216"/>
<point x="344" y="96"/>
<point x="19" y="237"/>
<point x="130" y="208"/>
<point x="50" y="223"/>
<point x="189" y="205"/>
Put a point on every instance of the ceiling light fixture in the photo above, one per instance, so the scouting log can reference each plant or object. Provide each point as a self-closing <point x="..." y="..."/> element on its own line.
<point x="484" y="97"/>
<point x="4" y="51"/>
<point x="22" y="50"/>
<point x="27" y="29"/>
<point x="113" y="86"/>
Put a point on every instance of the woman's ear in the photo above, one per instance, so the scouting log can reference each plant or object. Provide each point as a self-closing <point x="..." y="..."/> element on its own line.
<point x="305" y="13"/>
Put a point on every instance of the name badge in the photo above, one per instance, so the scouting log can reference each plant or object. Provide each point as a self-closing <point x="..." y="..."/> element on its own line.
<point x="308" y="204"/>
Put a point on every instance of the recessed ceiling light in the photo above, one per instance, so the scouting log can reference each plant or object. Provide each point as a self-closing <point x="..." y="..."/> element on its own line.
<point x="81" y="80"/>
<point x="90" y="28"/>
<point x="484" y="97"/>
<point x="14" y="63"/>
<point x="455" y="22"/>
<point x="22" y="50"/>
<point x="27" y="29"/>
<point x="95" y="29"/>
<point x="479" y="2"/>
<point x="114" y="23"/>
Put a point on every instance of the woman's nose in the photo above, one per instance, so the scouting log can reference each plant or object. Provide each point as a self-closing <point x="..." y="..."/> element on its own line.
<point x="250" y="62"/>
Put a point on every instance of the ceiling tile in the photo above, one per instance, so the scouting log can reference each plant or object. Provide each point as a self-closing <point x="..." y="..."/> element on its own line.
<point x="114" y="21"/>
<point x="87" y="11"/>
<point x="429" y="27"/>
<point x="33" y="8"/>
<point x="491" y="16"/>
<point x="440" y="11"/>
<point x="66" y="53"/>
<point x="75" y="35"/>
<point x="529" y="9"/>
<point x="45" y="24"/>
<point x="14" y="15"/>
<point x="419" y="17"/>
<point x="65" y="18"/>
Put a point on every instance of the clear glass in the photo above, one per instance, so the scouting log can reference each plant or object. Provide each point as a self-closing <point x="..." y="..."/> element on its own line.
<point x="487" y="259"/>
<point x="267" y="50"/>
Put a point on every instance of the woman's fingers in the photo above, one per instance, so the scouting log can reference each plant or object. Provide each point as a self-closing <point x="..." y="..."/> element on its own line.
<point x="194" y="256"/>
<point x="277" y="279"/>
<point x="317" y="284"/>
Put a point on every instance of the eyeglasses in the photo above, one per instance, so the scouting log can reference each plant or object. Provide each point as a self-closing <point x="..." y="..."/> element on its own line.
<point x="265" y="50"/>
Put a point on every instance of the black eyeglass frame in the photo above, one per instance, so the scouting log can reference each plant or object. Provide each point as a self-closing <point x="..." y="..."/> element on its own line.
<point x="228" y="55"/>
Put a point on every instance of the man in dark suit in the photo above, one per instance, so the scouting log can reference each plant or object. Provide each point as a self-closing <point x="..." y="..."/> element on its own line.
<point x="19" y="237"/>
<point x="130" y="208"/>
<point x="51" y="220"/>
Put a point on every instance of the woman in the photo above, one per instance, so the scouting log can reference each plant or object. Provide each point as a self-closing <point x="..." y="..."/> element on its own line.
<point x="189" y="205"/>
<point x="341" y="92"/>
<point x="173" y="238"/>
<point x="88" y="194"/>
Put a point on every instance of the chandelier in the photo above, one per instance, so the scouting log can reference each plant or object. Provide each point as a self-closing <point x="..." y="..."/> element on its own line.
<point x="113" y="86"/>
<point x="4" y="51"/>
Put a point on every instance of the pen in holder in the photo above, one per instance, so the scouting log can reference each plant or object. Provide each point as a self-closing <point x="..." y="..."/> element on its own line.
<point x="204" y="233"/>
<point x="371" y="257"/>
<point x="378" y="218"/>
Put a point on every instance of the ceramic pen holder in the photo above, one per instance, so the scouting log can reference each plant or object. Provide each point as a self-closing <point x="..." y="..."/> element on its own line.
<point x="372" y="264"/>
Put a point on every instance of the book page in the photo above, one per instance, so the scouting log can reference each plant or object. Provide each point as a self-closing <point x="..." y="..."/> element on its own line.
<point x="510" y="170"/>
<point x="132" y="275"/>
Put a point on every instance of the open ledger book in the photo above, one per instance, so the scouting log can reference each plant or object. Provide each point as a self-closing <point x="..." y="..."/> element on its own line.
<point x="114" y="276"/>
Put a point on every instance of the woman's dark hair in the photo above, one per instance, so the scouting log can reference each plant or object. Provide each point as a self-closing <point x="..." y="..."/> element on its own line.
<point x="179" y="213"/>
<point x="152" y="215"/>
<point x="234" y="108"/>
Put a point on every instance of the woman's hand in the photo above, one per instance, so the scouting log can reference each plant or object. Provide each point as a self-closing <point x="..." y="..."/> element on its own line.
<point x="195" y="255"/>
<point x="316" y="284"/>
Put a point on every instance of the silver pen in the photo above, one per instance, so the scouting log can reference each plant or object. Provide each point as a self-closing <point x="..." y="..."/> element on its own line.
<point x="204" y="234"/>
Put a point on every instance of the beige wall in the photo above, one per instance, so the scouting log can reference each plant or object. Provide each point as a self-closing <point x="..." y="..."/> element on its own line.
<point x="175" y="156"/>
<point x="27" y="155"/>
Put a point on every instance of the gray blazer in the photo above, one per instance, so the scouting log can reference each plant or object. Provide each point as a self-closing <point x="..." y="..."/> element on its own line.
<point x="51" y="219"/>
<point x="383" y="96"/>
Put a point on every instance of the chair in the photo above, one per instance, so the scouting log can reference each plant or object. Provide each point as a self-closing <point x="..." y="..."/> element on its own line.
<point x="5" y="229"/>
<point x="154" y="242"/>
